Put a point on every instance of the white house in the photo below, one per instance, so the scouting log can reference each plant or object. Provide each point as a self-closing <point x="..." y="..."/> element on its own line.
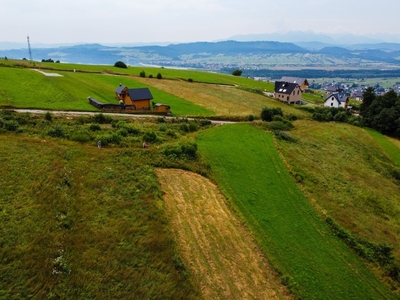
<point x="337" y="100"/>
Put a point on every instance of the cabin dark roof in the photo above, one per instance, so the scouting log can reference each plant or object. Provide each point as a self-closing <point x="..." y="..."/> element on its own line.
<point x="120" y="89"/>
<point x="283" y="87"/>
<point x="297" y="80"/>
<point x="140" y="94"/>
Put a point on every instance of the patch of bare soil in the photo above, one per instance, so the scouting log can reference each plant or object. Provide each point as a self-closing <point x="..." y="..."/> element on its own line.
<point x="219" y="253"/>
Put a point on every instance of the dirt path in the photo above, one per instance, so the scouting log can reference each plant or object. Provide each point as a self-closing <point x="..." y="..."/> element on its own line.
<point x="218" y="252"/>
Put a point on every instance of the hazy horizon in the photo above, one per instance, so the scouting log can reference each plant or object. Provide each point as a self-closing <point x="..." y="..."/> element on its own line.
<point x="178" y="21"/>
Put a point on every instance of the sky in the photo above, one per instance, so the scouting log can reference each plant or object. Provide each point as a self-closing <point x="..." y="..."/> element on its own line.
<point x="178" y="21"/>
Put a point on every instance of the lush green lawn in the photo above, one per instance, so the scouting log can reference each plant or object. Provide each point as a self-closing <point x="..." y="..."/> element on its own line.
<point x="314" y="263"/>
<point x="170" y="73"/>
<point x="24" y="88"/>
<point x="390" y="148"/>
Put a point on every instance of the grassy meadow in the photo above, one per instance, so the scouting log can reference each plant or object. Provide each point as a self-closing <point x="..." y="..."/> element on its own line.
<point x="83" y="223"/>
<point x="313" y="263"/>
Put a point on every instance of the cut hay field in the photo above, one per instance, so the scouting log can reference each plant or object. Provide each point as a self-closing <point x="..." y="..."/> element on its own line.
<point x="313" y="262"/>
<point x="223" y="100"/>
<point x="217" y="250"/>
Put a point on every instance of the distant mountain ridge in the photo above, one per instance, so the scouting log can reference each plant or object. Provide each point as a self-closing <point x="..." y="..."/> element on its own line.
<point x="224" y="54"/>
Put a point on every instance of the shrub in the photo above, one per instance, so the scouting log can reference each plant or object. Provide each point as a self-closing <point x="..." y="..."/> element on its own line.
<point x="180" y="150"/>
<point x="81" y="136"/>
<point x="205" y="122"/>
<point x="132" y="130"/>
<point x="150" y="137"/>
<point x="340" y="117"/>
<point x="237" y="72"/>
<point x="250" y="118"/>
<point x="151" y="76"/>
<point x="159" y="76"/>
<point x="190" y="80"/>
<point x="120" y="64"/>
<point x="192" y="127"/>
<point x="184" y="128"/>
<point x="285" y="136"/>
<point x="95" y="127"/>
<point x="172" y="133"/>
<point x="102" y="119"/>
<point x="56" y="131"/>
<point x="142" y="74"/>
<point x="11" y="125"/>
<point x="267" y="114"/>
<point x="48" y="116"/>
<point x="107" y="139"/>
<point x="162" y="127"/>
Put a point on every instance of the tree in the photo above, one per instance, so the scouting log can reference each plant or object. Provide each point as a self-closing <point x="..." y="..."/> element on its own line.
<point x="142" y="74"/>
<point x="237" y="72"/>
<point x="159" y="76"/>
<point x="120" y="64"/>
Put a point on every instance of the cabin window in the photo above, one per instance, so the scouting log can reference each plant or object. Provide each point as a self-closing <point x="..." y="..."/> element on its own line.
<point x="331" y="103"/>
<point x="287" y="98"/>
<point x="294" y="92"/>
<point x="298" y="92"/>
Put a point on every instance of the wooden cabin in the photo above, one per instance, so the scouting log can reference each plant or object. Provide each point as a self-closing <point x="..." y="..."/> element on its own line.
<point x="139" y="98"/>
<point x="162" y="108"/>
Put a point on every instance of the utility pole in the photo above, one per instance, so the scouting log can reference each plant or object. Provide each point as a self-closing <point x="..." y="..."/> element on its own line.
<point x="30" y="51"/>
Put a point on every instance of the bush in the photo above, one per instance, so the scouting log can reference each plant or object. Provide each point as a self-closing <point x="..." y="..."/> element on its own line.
<point x="172" y="133"/>
<point x="267" y="114"/>
<point x="120" y="64"/>
<point x="132" y="130"/>
<point x="180" y="150"/>
<point x="192" y="127"/>
<point x="237" y="72"/>
<point x="11" y="125"/>
<point x="285" y="136"/>
<point x="95" y="127"/>
<point x="48" y="116"/>
<point x="250" y="118"/>
<point x="159" y="76"/>
<point x="81" y="136"/>
<point x="340" y="117"/>
<point x="107" y="139"/>
<point x="149" y="137"/>
<point x="142" y="74"/>
<point x="56" y="131"/>
<point x="102" y="119"/>
<point x="190" y="80"/>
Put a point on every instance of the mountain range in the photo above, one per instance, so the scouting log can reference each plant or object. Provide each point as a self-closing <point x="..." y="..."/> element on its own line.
<point x="306" y="50"/>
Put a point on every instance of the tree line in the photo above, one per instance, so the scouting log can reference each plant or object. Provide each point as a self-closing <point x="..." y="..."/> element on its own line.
<point x="381" y="112"/>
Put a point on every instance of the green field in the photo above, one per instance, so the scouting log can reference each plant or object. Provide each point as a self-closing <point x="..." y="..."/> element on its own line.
<point x="315" y="263"/>
<point x="24" y="88"/>
<point x="390" y="148"/>
<point x="83" y="223"/>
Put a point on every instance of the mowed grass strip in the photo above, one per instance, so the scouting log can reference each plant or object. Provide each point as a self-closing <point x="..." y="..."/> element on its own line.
<point x="81" y="223"/>
<point x="390" y="147"/>
<point x="345" y="174"/>
<point x="216" y="249"/>
<point x="314" y="263"/>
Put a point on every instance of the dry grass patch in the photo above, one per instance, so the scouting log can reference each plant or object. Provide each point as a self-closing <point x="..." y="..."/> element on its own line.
<point x="223" y="100"/>
<point x="219" y="253"/>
